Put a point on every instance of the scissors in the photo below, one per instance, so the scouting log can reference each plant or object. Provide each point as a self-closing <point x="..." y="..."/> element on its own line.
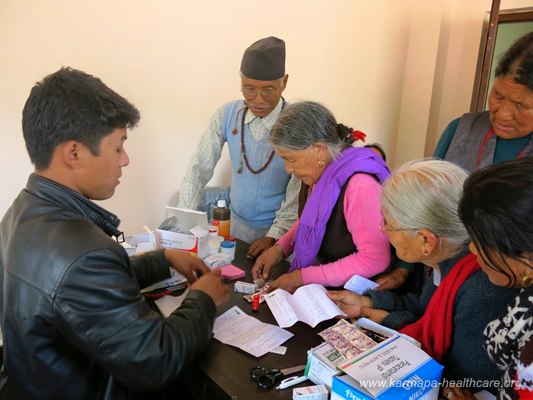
<point x="266" y="378"/>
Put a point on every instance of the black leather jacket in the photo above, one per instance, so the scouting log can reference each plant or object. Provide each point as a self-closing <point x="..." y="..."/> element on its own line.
<point x="74" y="323"/>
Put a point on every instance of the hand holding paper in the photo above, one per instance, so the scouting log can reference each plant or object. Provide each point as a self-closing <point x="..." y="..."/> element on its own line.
<point x="360" y="285"/>
<point x="308" y="304"/>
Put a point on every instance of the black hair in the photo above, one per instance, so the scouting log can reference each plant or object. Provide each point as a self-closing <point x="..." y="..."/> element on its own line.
<point x="377" y="147"/>
<point x="497" y="211"/>
<point x="72" y="105"/>
<point x="518" y="62"/>
<point x="345" y="135"/>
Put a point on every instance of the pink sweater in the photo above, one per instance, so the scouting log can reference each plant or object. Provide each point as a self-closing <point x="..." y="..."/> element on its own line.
<point x="362" y="212"/>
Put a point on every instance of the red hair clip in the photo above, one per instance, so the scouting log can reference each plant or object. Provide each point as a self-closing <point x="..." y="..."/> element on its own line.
<point x="358" y="135"/>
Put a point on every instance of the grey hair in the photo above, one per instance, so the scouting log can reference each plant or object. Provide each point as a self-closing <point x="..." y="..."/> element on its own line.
<point x="425" y="193"/>
<point x="305" y="123"/>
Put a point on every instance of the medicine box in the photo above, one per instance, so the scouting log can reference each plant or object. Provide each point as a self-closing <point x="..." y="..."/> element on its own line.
<point x="397" y="369"/>
<point x="218" y="260"/>
<point x="318" y="392"/>
<point x="245" y="287"/>
<point x="184" y="230"/>
<point x="195" y="241"/>
<point x="322" y="364"/>
<point x="323" y="361"/>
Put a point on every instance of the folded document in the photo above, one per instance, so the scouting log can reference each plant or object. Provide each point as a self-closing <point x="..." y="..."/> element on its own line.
<point x="309" y="304"/>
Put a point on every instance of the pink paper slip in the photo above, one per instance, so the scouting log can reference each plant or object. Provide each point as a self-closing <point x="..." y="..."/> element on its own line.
<point x="231" y="272"/>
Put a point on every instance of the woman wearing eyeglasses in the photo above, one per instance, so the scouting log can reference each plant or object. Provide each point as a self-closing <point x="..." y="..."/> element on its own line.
<point x="419" y="205"/>
<point x="337" y="234"/>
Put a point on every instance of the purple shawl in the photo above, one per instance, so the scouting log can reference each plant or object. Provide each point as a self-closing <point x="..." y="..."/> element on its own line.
<point x="325" y="194"/>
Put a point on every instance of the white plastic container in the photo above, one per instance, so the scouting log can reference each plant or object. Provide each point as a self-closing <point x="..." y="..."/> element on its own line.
<point x="213" y="231"/>
<point x="228" y="247"/>
<point x="213" y="246"/>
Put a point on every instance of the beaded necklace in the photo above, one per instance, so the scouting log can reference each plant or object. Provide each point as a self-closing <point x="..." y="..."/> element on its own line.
<point x="243" y="156"/>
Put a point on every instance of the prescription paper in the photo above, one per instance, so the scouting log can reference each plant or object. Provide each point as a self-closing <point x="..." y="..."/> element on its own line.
<point x="309" y="304"/>
<point x="241" y="330"/>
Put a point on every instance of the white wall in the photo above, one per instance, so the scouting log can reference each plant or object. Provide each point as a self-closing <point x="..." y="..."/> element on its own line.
<point x="382" y="66"/>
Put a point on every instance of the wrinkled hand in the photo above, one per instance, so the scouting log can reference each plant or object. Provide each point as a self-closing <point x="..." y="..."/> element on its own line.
<point x="350" y="302"/>
<point x="266" y="261"/>
<point x="392" y="280"/>
<point x="456" y="393"/>
<point x="259" y="246"/>
<point x="374" y="314"/>
<point x="211" y="284"/>
<point x="289" y="282"/>
<point x="186" y="264"/>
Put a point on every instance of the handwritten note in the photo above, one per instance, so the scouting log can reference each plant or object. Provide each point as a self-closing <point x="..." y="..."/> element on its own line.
<point x="239" y="329"/>
<point x="308" y="304"/>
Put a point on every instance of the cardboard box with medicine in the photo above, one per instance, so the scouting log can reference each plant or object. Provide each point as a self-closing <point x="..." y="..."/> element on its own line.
<point x="322" y="362"/>
<point x="184" y="230"/>
<point x="389" y="366"/>
<point x="395" y="371"/>
<point x="318" y="392"/>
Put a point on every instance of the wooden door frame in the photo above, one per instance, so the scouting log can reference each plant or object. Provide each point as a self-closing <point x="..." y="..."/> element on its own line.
<point x="486" y="49"/>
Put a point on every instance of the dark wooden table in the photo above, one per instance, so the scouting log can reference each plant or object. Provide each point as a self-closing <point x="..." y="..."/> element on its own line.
<point x="223" y="371"/>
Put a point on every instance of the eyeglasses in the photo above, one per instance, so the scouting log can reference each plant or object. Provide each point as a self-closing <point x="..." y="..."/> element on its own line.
<point x="383" y="228"/>
<point x="267" y="94"/>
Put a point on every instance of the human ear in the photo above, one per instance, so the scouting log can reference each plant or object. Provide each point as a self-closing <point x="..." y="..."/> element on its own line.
<point x="429" y="241"/>
<point x="71" y="153"/>
<point x="284" y="84"/>
<point x="319" y="147"/>
<point x="321" y="152"/>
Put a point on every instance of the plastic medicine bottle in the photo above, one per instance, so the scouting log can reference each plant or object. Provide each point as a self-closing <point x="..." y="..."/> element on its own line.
<point x="228" y="247"/>
<point x="213" y="242"/>
<point x="221" y="219"/>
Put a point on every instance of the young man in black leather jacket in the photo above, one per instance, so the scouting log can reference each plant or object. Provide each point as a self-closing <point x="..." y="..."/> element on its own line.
<point x="74" y="323"/>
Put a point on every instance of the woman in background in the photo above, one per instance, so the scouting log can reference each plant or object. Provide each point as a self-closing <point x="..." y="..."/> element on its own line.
<point x="504" y="131"/>
<point x="337" y="235"/>
<point x="501" y="133"/>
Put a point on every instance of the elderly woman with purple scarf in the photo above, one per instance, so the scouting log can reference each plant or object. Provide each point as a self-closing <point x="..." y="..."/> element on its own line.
<point x="337" y="235"/>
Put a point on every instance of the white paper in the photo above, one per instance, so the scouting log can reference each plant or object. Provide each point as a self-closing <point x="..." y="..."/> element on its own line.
<point x="167" y="304"/>
<point x="175" y="279"/>
<point x="139" y="238"/>
<point x="144" y="247"/>
<point x="279" y="350"/>
<point x="239" y="329"/>
<point x="308" y="304"/>
<point x="360" y="285"/>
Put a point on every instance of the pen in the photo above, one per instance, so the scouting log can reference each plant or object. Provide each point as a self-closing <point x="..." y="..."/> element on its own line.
<point x="292" y="381"/>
